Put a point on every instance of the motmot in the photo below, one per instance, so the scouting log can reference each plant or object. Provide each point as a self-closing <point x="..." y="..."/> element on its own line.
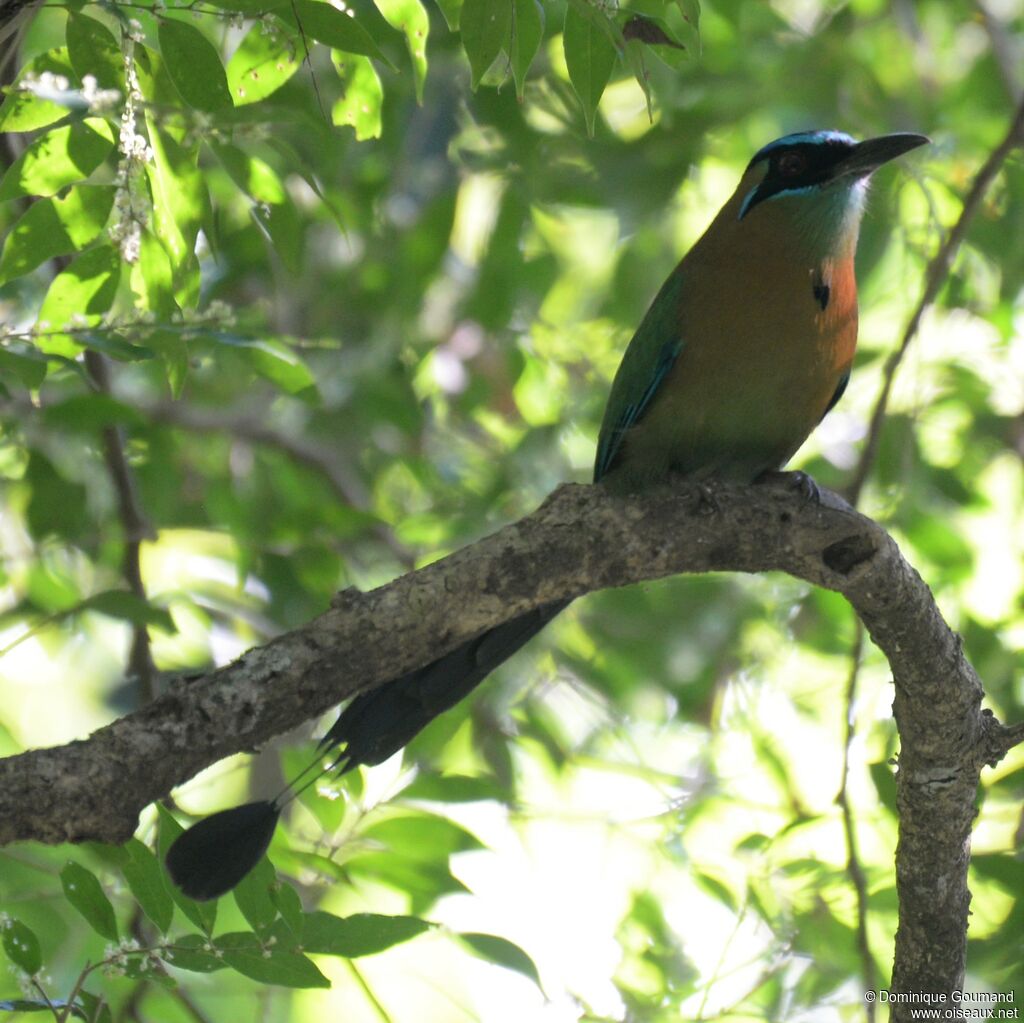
<point x="744" y="350"/>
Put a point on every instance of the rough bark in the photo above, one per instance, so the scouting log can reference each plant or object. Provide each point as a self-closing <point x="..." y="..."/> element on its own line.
<point x="581" y="539"/>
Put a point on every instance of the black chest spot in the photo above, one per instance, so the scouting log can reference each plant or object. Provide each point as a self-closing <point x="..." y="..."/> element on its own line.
<point x="821" y="294"/>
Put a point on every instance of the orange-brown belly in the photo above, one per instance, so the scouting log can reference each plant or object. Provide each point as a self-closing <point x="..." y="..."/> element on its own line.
<point x="754" y="377"/>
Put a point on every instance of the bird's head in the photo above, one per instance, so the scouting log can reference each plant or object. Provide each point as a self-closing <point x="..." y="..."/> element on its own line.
<point x="817" y="180"/>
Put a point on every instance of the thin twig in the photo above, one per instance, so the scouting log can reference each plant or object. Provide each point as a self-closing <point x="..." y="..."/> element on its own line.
<point x="935" y="277"/>
<point x="158" y="9"/>
<point x="79" y="984"/>
<point x="187" y="1002"/>
<point x="1002" y="51"/>
<point x="328" y="461"/>
<point x="46" y="998"/>
<point x="309" y="62"/>
<point x="854" y="868"/>
<point x="136" y="529"/>
<point x="368" y="991"/>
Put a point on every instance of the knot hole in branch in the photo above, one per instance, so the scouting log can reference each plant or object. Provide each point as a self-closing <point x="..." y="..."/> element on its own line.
<point x="845" y="555"/>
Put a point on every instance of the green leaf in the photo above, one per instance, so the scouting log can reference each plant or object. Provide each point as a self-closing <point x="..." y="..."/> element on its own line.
<point x="55" y="227"/>
<point x="180" y="196"/>
<point x="84" y="892"/>
<point x="86" y="289"/>
<point x="502" y="952"/>
<point x="486" y="27"/>
<point x="21" y="945"/>
<point x="59" y="158"/>
<point x="452" y="10"/>
<point x="93" y="50"/>
<point x="37" y="1005"/>
<point x="152" y="282"/>
<point x="452" y="788"/>
<point x="253" y="896"/>
<point x="273" y="360"/>
<point x="146" y="881"/>
<point x="172" y="349"/>
<point x="128" y="607"/>
<point x="283" y="227"/>
<point x="527" y="33"/>
<point x="194" y="66"/>
<point x="422" y="836"/>
<point x="55" y="507"/>
<point x="690" y="10"/>
<point x="196" y="953"/>
<point x="28" y="366"/>
<point x="254" y="176"/>
<point x="410" y="18"/>
<point x="885" y="784"/>
<point x="590" y="57"/>
<point x="180" y="201"/>
<point x="202" y="914"/>
<point x="362" y="934"/>
<point x="262" y="63"/>
<point x="717" y="890"/>
<point x="90" y="412"/>
<point x="289" y="906"/>
<point x="254" y="7"/>
<point x="274" y="211"/>
<point x="111" y="343"/>
<point x="368" y="14"/>
<point x="267" y="963"/>
<point x="645" y="34"/>
<point x="328" y="25"/>
<point x="92" y="1008"/>
<point x="634" y="58"/>
<point x="362" y="98"/>
<point x="23" y="110"/>
<point x="418" y="847"/>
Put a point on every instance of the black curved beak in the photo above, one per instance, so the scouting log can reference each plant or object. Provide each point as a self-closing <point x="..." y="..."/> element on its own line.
<point x="867" y="156"/>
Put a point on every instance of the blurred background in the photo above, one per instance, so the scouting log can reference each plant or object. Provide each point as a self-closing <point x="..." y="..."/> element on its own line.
<point x="399" y="333"/>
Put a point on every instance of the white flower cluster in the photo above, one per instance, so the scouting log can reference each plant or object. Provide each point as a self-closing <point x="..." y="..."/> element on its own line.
<point x="217" y="311"/>
<point x="116" y="956"/>
<point x="28" y="982"/>
<point x="131" y="200"/>
<point x="57" y="89"/>
<point x="270" y="29"/>
<point x="46" y="82"/>
<point x="97" y="98"/>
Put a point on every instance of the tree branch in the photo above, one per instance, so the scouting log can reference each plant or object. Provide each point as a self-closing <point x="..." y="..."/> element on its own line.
<point x="581" y="539"/>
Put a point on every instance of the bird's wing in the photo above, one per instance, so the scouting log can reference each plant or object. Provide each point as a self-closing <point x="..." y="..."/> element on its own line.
<point x="648" y="358"/>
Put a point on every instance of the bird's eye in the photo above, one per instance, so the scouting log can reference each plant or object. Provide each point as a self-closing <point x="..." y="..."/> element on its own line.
<point x="792" y="165"/>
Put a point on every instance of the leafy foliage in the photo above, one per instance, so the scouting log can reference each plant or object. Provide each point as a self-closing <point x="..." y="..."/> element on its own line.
<point x="359" y="274"/>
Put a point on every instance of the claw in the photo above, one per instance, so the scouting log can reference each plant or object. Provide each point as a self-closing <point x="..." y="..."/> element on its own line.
<point x="800" y="481"/>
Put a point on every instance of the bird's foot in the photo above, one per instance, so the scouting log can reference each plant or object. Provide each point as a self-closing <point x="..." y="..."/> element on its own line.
<point x="799" y="481"/>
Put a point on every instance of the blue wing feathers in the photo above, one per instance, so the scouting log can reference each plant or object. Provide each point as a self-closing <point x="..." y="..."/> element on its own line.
<point x="611" y="440"/>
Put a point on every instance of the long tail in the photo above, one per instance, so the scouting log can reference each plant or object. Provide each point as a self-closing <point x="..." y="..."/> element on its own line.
<point x="214" y="855"/>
